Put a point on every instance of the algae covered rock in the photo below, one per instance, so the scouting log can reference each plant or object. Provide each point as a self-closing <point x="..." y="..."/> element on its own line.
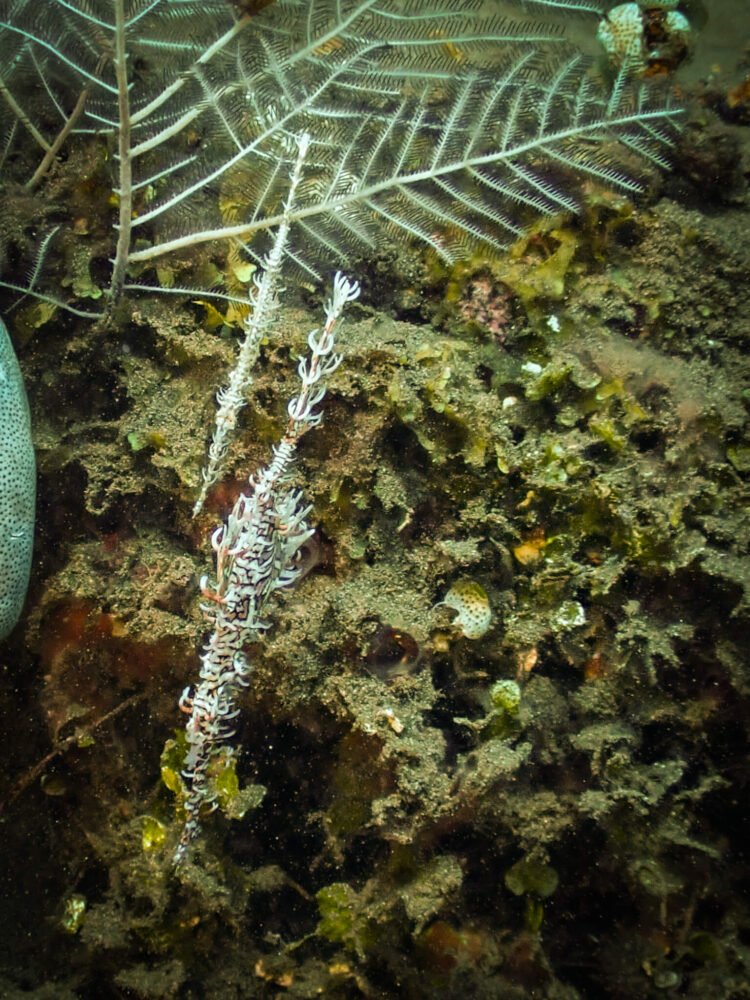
<point x="17" y="487"/>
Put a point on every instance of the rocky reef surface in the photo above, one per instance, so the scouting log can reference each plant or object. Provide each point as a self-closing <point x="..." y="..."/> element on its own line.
<point x="495" y="742"/>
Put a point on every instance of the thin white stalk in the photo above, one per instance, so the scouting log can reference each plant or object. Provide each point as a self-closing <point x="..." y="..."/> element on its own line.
<point x="265" y="304"/>
<point x="123" y="143"/>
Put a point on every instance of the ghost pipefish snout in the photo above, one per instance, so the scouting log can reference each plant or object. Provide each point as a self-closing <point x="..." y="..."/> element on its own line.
<point x="17" y="487"/>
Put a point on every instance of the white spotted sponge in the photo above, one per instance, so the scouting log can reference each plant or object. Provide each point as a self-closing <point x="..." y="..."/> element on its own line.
<point x="648" y="37"/>
<point x="17" y="487"/>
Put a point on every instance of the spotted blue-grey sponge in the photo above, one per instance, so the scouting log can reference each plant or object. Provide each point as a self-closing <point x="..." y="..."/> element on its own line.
<point x="17" y="487"/>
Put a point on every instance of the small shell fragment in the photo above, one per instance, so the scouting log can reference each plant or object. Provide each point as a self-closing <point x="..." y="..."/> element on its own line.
<point x="472" y="605"/>
<point x="393" y="721"/>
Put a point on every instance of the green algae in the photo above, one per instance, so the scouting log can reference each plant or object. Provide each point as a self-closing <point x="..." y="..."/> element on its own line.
<point x="337" y="904"/>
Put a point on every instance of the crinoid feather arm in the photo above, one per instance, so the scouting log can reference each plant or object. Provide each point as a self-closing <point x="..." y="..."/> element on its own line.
<point x="411" y="184"/>
<point x="407" y="105"/>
